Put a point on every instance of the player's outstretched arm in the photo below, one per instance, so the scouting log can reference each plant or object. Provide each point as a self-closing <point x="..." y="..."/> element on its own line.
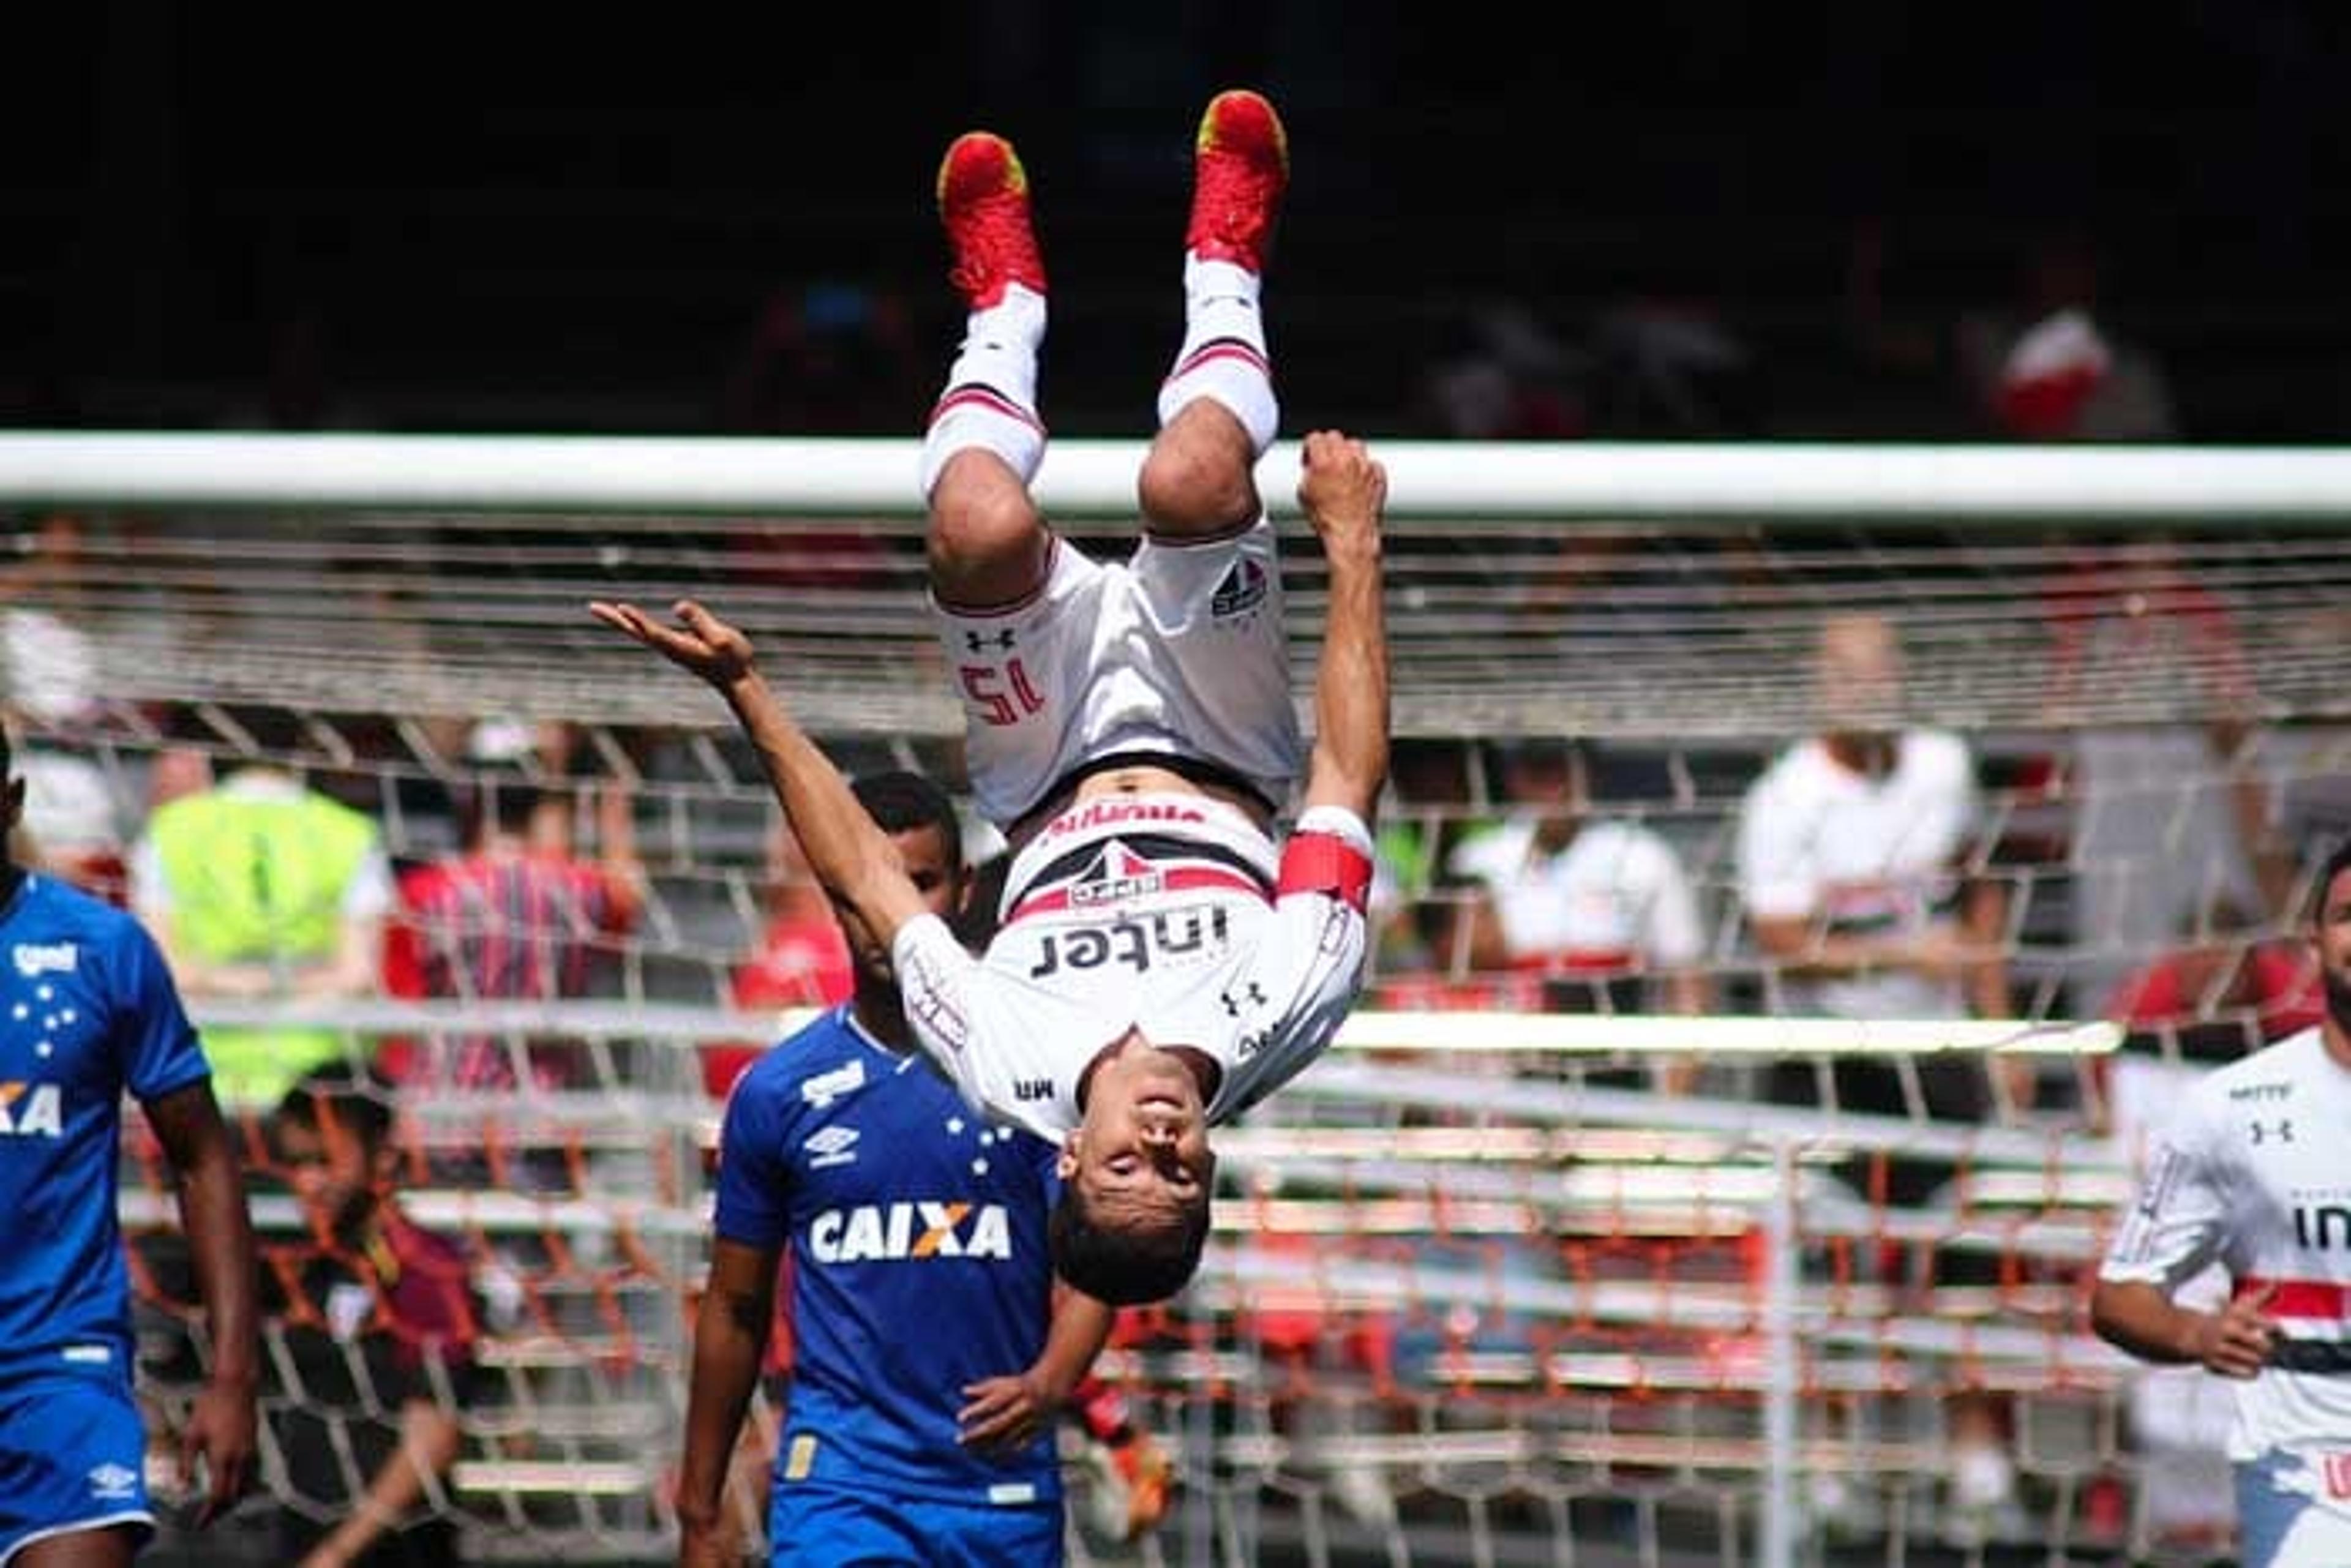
<point x="853" y="857"/>
<point x="222" y="1424"/>
<point x="1345" y="493"/>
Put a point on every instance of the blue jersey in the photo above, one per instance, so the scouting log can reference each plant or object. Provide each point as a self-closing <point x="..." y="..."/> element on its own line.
<point x="87" y="1011"/>
<point x="919" y="1261"/>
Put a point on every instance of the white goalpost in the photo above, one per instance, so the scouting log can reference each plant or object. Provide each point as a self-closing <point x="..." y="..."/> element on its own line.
<point x="1615" y="1318"/>
<point x="1676" y="482"/>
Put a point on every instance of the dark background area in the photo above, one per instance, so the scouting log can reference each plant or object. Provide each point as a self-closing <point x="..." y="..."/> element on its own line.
<point x="516" y="218"/>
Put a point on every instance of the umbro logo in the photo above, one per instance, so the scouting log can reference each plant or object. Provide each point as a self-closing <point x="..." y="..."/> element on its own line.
<point x="113" y="1483"/>
<point x="830" y="1146"/>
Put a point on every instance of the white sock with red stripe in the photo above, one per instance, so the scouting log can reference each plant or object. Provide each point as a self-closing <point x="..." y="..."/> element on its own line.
<point x="991" y="397"/>
<point x="1224" y="354"/>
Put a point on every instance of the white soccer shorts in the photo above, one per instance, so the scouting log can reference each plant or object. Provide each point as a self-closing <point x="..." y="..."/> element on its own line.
<point x="1180" y="649"/>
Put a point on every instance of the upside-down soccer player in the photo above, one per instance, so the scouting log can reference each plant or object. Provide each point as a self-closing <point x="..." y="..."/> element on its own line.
<point x="1161" y="966"/>
<point x="89" y="1013"/>
<point x="932" y="1352"/>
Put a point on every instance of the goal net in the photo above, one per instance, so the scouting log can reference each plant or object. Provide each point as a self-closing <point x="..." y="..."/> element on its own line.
<point x="1533" y="1267"/>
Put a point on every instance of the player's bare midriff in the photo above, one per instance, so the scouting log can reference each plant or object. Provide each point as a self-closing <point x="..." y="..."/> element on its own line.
<point x="1138" y="779"/>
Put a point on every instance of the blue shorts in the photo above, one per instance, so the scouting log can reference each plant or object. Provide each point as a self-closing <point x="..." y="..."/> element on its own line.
<point x="73" y="1456"/>
<point x="812" y="1524"/>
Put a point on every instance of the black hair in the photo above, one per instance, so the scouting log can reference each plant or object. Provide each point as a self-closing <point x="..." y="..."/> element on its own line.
<point x="2337" y="862"/>
<point x="350" y="1098"/>
<point x="500" y="797"/>
<point x="902" y="802"/>
<point x="1124" y="1267"/>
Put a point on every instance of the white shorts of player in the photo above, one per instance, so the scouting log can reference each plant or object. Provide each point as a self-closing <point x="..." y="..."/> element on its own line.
<point x="1180" y="649"/>
<point x="2293" y="1510"/>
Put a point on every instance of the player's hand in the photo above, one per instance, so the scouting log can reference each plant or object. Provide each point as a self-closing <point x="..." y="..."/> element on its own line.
<point x="1004" y="1412"/>
<point x="2235" y="1341"/>
<point x="221" y="1431"/>
<point x="699" y="643"/>
<point x="1344" y="490"/>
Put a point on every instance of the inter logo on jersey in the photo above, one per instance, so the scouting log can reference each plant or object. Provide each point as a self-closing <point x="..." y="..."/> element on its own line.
<point x="910" y="1232"/>
<point x="33" y="959"/>
<point x="31" y="1111"/>
<point x="2322" y="1226"/>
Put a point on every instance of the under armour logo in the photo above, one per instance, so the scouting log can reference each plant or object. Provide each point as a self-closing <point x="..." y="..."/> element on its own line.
<point x="2261" y="1133"/>
<point x="1253" y="994"/>
<point x="978" y="642"/>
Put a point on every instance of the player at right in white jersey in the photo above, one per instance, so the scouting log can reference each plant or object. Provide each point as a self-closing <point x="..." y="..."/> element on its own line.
<point x="2253" y="1173"/>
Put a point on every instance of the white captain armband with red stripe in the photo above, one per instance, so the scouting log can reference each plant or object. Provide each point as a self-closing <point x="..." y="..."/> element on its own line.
<point x="1330" y="851"/>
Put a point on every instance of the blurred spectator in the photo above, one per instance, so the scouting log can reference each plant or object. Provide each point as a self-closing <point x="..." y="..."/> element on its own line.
<point x="261" y="888"/>
<point x="75" y="809"/>
<point x="1600" y="908"/>
<point x="516" y="915"/>
<point x="1856" y="848"/>
<point x="2050" y="365"/>
<point x="1504" y="376"/>
<point x="376" y="1321"/>
<point x="2046" y="362"/>
<point x="1427" y="812"/>
<point x="302" y="387"/>
<point x="1670" y="365"/>
<point x="2165" y="815"/>
<point x="2223" y="989"/>
<point x="829" y="358"/>
<point x="803" y="960"/>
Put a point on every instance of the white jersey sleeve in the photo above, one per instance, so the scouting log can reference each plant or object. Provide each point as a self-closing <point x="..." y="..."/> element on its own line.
<point x="1308" y="968"/>
<point x="2178" y="1221"/>
<point x="999" y="1061"/>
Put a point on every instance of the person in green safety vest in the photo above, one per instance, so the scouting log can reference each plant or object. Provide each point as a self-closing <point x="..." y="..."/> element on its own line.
<point x="261" y="887"/>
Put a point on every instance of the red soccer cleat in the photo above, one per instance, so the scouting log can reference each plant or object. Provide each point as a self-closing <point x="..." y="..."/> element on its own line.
<point x="1240" y="167"/>
<point x="984" y="202"/>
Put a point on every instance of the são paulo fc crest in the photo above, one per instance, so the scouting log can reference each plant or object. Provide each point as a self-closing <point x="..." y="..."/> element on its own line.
<point x="1113" y="876"/>
<point x="1242" y="590"/>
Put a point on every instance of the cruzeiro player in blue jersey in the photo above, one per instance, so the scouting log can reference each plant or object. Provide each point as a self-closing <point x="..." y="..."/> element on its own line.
<point x="933" y="1348"/>
<point x="88" y="1012"/>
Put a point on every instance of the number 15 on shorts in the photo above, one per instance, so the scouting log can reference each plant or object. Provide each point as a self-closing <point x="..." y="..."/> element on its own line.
<point x="1000" y="694"/>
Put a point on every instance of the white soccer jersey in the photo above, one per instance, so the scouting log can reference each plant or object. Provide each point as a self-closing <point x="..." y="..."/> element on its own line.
<point x="1167" y="914"/>
<point x="1615" y="896"/>
<point x="2253" y="1171"/>
<point x="1864" y="855"/>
